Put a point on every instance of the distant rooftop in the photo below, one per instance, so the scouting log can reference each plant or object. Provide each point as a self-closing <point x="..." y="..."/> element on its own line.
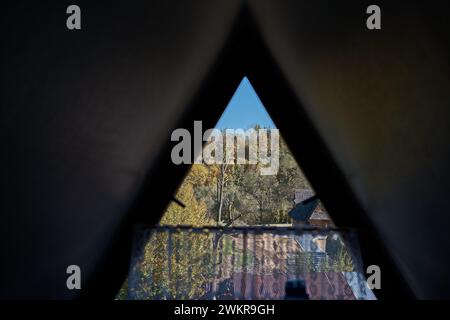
<point x="302" y="195"/>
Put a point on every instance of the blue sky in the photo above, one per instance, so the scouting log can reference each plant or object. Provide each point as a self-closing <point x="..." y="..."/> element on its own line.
<point x="244" y="110"/>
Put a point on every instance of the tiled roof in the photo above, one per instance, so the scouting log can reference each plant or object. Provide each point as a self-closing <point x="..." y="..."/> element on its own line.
<point x="302" y="212"/>
<point x="319" y="286"/>
<point x="302" y="194"/>
<point x="328" y="286"/>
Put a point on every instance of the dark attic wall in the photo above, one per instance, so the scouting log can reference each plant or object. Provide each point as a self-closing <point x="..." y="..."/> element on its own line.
<point x="381" y="102"/>
<point x="83" y="116"/>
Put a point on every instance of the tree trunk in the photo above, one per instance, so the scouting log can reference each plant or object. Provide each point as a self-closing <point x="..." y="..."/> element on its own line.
<point x="219" y="213"/>
<point x="221" y="185"/>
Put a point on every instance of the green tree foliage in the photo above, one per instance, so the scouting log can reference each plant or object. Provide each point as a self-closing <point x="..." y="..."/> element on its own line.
<point x="195" y="212"/>
<point x="226" y="194"/>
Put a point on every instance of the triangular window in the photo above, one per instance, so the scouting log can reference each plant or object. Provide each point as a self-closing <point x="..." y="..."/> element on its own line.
<point x="238" y="194"/>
